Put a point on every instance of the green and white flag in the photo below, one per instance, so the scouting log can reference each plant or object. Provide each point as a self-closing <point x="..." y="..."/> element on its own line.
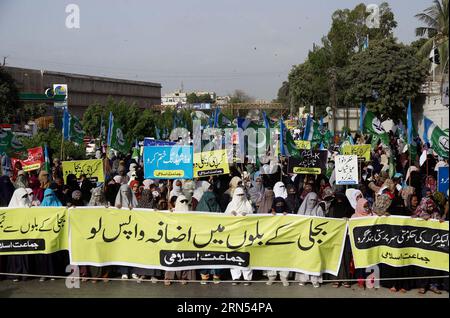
<point x="436" y="137"/>
<point x="72" y="129"/>
<point x="370" y="124"/>
<point x="116" y="138"/>
<point x="11" y="145"/>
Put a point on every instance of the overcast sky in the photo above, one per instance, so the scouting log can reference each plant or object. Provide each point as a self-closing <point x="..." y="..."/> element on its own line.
<point x="213" y="45"/>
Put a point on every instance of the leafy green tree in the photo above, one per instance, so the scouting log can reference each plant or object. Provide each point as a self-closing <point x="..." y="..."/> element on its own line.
<point x="319" y="80"/>
<point x="205" y="98"/>
<point x="31" y="111"/>
<point x="192" y="98"/>
<point x="239" y="96"/>
<point x="10" y="105"/>
<point x="384" y="78"/>
<point x="436" y="19"/>
<point x="52" y="138"/>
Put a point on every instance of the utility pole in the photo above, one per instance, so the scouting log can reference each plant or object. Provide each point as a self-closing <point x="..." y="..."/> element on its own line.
<point x="4" y="60"/>
<point x="333" y="100"/>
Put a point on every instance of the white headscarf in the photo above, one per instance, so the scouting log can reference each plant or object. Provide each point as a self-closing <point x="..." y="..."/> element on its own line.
<point x="176" y="191"/>
<point x="147" y="183"/>
<point x="118" y="179"/>
<point x="310" y="206"/>
<point x="410" y="169"/>
<point x="351" y="195"/>
<point x="125" y="197"/>
<point x="239" y="203"/>
<point x="202" y="186"/>
<point x="280" y="190"/>
<point x="20" y="198"/>
<point x="233" y="184"/>
<point x="181" y="206"/>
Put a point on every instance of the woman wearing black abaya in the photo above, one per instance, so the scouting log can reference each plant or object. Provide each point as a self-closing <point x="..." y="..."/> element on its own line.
<point x="340" y="208"/>
<point x="6" y="192"/>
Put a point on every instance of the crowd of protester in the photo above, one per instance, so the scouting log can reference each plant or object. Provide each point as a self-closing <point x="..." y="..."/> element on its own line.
<point x="410" y="191"/>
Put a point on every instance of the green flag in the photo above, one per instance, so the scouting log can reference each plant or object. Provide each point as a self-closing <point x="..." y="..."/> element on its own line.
<point x="372" y="125"/>
<point x="11" y="145"/>
<point x="116" y="138"/>
<point x="437" y="138"/>
<point x="76" y="131"/>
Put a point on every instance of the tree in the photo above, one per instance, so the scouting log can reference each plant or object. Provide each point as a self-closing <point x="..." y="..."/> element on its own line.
<point x="436" y="19"/>
<point x="31" y="111"/>
<point x="125" y="113"/>
<point x="319" y="80"/>
<point x="384" y="78"/>
<point x="205" y="98"/>
<point x="239" y="96"/>
<point x="52" y="138"/>
<point x="192" y="98"/>
<point x="9" y="98"/>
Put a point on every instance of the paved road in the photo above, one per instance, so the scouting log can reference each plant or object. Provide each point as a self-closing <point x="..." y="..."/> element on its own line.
<point x="131" y="289"/>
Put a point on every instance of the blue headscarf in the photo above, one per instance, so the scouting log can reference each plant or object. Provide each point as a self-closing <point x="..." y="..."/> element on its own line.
<point x="50" y="199"/>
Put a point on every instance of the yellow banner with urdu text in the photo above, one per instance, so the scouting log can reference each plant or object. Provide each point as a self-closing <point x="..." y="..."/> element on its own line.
<point x="362" y="151"/>
<point x="399" y="241"/>
<point x="174" y="241"/>
<point x="211" y="163"/>
<point x="37" y="230"/>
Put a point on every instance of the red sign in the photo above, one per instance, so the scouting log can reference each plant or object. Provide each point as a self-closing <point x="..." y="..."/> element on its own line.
<point x="34" y="160"/>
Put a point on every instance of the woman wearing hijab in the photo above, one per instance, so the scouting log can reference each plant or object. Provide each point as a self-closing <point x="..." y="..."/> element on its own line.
<point x="239" y="206"/>
<point x="309" y="207"/>
<point x="46" y="264"/>
<point x="256" y="192"/>
<point x="148" y="199"/>
<point x="34" y="184"/>
<point x="208" y="203"/>
<point x="201" y="188"/>
<point x="97" y="199"/>
<point x="112" y="189"/>
<point x="265" y="205"/>
<point x="353" y="195"/>
<point x="292" y="200"/>
<point x="427" y="210"/>
<point x="279" y="207"/>
<point x="134" y="185"/>
<point x="412" y="202"/>
<point x="363" y="209"/>
<point x="384" y="199"/>
<point x="327" y="199"/>
<point x="70" y="187"/>
<point x="279" y="190"/>
<point x="307" y="188"/>
<point x="21" y="181"/>
<point x="181" y="205"/>
<point x="77" y="199"/>
<point x="341" y="209"/>
<point x="44" y="183"/>
<point x="228" y="195"/>
<point x="86" y="188"/>
<point x="177" y="189"/>
<point x="126" y="199"/>
<point x="6" y="190"/>
<point x="19" y="264"/>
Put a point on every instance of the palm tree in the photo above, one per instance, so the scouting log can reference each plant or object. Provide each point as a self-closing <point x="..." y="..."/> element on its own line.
<point x="436" y="19"/>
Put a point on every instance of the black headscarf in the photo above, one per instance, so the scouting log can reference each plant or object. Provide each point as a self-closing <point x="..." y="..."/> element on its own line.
<point x="279" y="205"/>
<point x="340" y="207"/>
<point x="292" y="200"/>
<point x="6" y="190"/>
